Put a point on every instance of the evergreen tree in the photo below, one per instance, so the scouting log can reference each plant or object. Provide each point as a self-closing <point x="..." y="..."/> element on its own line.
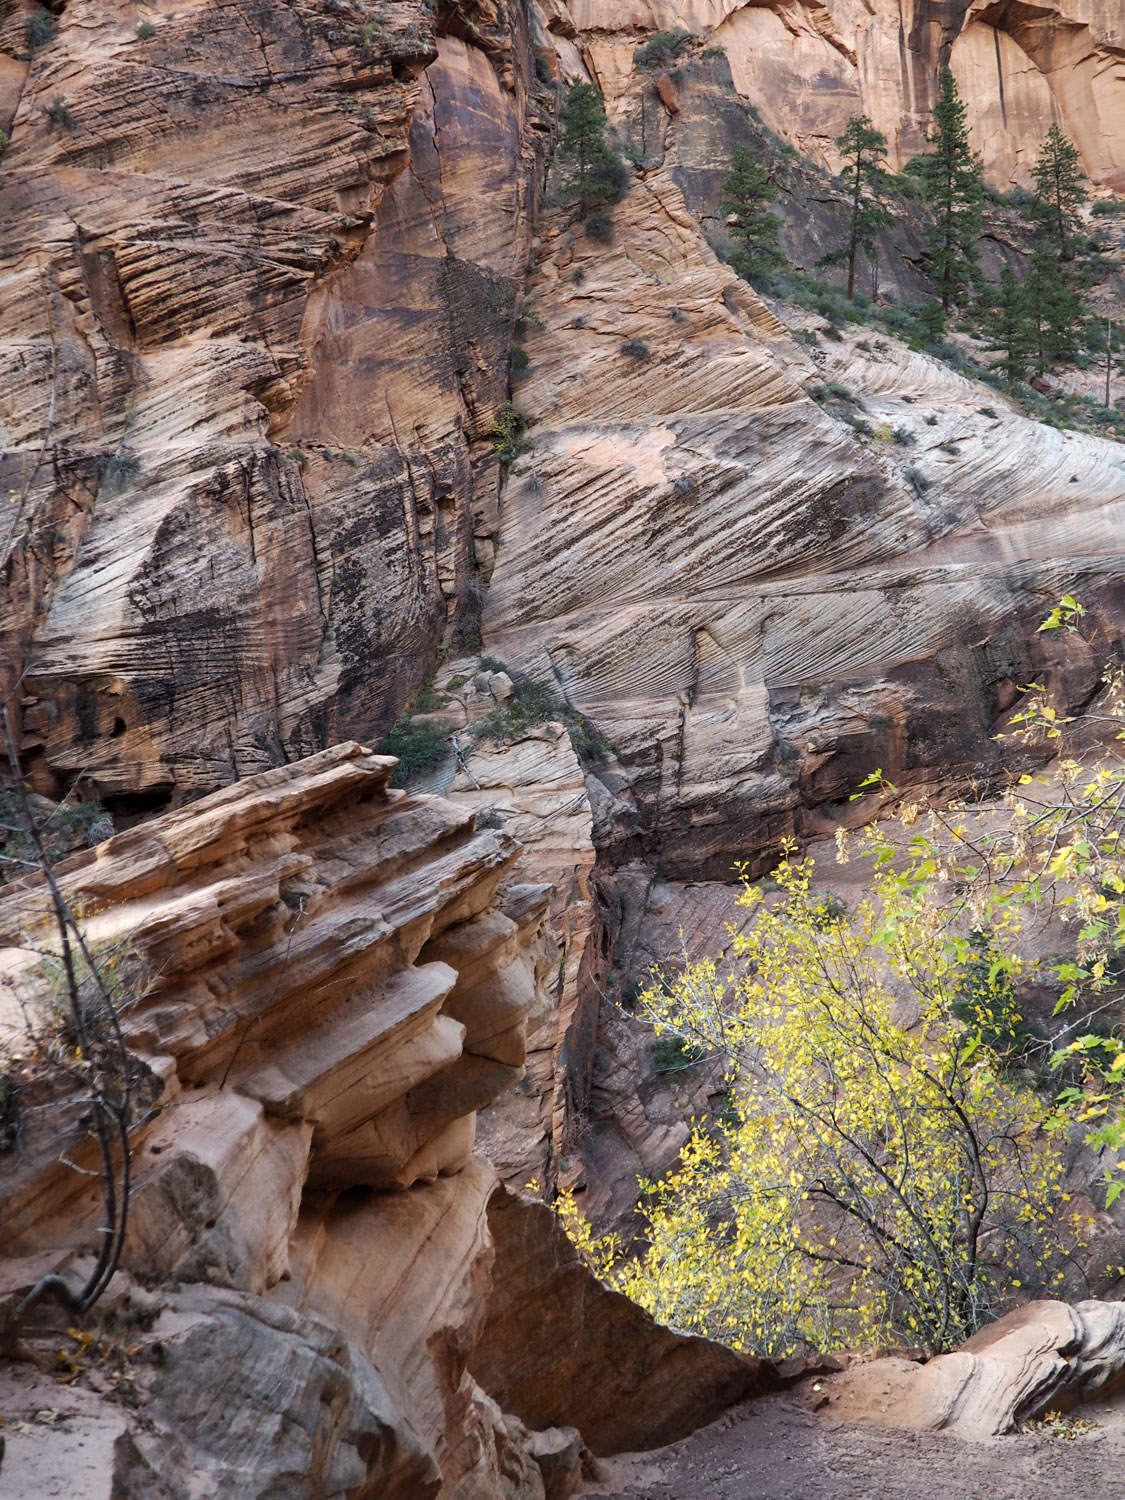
<point x="951" y="186"/>
<point x="1010" y="328"/>
<point x="1060" y="186"/>
<point x="864" y="149"/>
<point x="746" y="193"/>
<point x="597" y="173"/>
<point x="1056" y="310"/>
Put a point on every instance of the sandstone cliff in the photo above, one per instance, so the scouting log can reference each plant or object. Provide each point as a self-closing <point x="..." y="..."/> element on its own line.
<point x="263" y="268"/>
<point x="260" y="278"/>
<point x="339" y="977"/>
<point x="798" y="601"/>
<point x="808" y="66"/>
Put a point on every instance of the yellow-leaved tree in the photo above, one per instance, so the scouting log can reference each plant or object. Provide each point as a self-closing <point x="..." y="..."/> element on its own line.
<point x="890" y="1166"/>
<point x="877" y="1178"/>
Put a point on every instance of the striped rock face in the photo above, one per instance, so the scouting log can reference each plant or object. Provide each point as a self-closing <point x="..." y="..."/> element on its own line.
<point x="756" y="602"/>
<point x="808" y="68"/>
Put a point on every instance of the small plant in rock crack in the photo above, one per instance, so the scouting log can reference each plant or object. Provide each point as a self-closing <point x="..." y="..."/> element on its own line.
<point x="121" y="469"/>
<point x="916" y="480"/>
<point x="58" y="114"/>
<point x="40" y="28"/>
<point x="636" y="349"/>
<point x="146" y="31"/>
<point x="508" y="439"/>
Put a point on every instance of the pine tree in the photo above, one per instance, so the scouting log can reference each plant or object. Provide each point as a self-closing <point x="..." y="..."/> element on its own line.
<point x="864" y="149"/>
<point x="1010" y="327"/>
<point x="1055" y="308"/>
<point x="746" y="193"/>
<point x="951" y="185"/>
<point x="1060" y="186"/>
<point x="597" y="172"/>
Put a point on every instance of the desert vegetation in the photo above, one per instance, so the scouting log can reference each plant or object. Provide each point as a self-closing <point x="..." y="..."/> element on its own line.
<point x="1033" y="320"/>
<point x="891" y="1162"/>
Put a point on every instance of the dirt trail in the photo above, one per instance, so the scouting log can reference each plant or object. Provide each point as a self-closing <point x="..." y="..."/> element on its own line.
<point x="779" y="1448"/>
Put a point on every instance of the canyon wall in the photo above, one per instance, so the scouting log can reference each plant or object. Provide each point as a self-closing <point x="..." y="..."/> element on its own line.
<point x="808" y="66"/>
<point x="260" y="277"/>
<point x="265" y="268"/>
<point x="776" y="602"/>
<point x="327" y="981"/>
<point x="262" y="274"/>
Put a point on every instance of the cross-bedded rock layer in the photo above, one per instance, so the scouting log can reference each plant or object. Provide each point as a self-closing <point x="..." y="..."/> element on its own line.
<point x="755" y="602"/>
<point x="339" y="977"/>
<point x="260" y="276"/>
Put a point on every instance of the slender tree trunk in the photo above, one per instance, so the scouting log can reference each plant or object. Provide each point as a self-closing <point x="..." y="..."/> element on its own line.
<point x="854" y="244"/>
<point x="947" y="269"/>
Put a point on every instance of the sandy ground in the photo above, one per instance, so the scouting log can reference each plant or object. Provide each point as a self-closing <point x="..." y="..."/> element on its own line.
<point x="781" y="1448"/>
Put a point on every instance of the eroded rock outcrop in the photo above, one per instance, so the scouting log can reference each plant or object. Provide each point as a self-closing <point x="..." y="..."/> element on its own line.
<point x="1046" y="1356"/>
<point x="776" y="602"/>
<point x="338" y="978"/>
<point x="807" y="67"/>
<point x="260" y="282"/>
<point x="665" y="1384"/>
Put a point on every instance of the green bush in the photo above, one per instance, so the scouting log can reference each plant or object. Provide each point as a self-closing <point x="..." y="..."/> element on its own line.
<point x="508" y="440"/>
<point x="419" y="748"/>
<point x="40" y="28"/>
<point x="146" y="31"/>
<point x="636" y="349"/>
<point x="661" y="48"/>
<point x="599" y="226"/>
<point x="672" y="1053"/>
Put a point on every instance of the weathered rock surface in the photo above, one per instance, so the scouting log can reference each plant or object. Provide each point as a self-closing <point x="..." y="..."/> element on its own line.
<point x="339" y="977"/>
<point x="1046" y="1356"/>
<point x="238" y="230"/>
<point x="776" y="603"/>
<point x="663" y="1382"/>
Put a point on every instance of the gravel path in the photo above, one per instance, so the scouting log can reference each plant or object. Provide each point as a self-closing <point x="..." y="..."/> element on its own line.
<point x="779" y="1448"/>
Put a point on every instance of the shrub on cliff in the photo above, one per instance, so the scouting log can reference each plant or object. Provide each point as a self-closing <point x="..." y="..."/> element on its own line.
<point x="595" y="171"/>
<point x="420" y="748"/>
<point x="662" y="48"/>
<point x="877" y="1176"/>
<point x="40" y="28"/>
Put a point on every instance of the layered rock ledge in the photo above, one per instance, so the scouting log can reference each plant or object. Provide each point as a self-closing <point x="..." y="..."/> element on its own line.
<point x="339" y="976"/>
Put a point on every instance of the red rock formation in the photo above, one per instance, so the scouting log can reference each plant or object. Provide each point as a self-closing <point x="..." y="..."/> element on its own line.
<point x="255" y="326"/>
<point x="340" y="977"/>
